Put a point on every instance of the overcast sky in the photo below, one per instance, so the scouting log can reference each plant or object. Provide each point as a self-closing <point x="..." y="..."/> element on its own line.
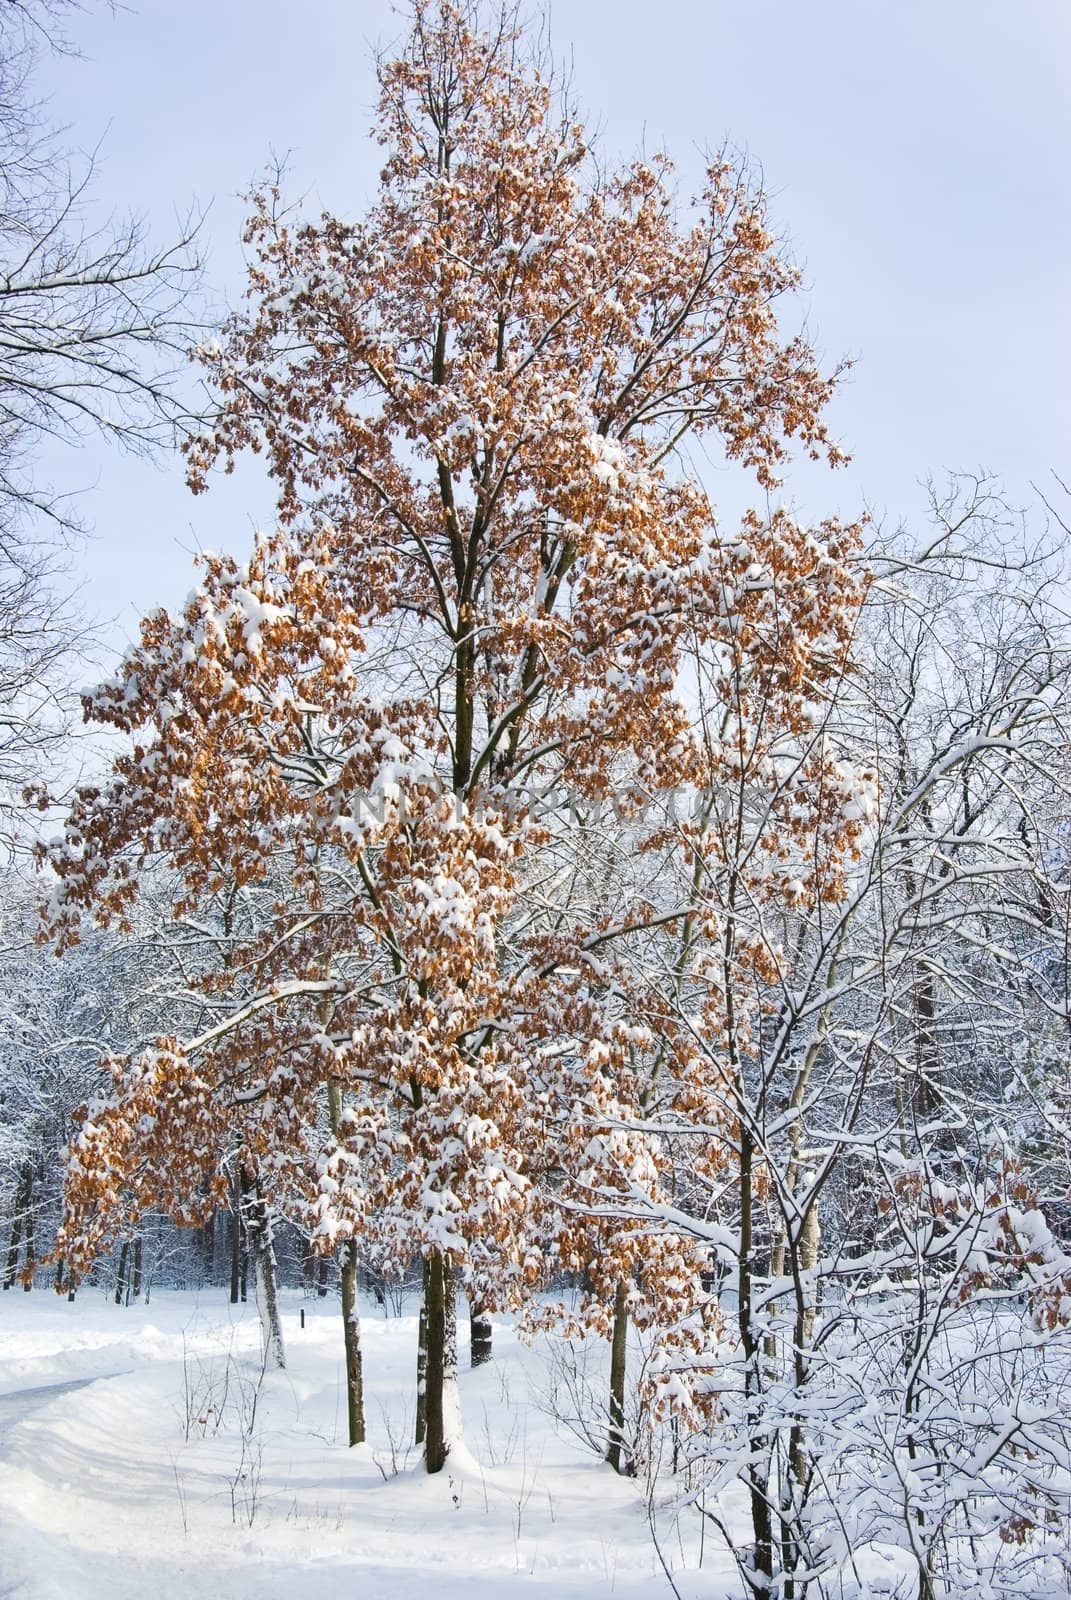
<point x="916" y="154"/>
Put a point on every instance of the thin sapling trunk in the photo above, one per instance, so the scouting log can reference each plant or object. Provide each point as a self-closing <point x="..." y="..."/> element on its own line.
<point x="258" y="1232"/>
<point x="616" y="1451"/>
<point x="443" y="1408"/>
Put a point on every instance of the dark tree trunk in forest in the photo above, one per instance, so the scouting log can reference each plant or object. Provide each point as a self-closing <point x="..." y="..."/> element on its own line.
<point x="28" y="1231"/>
<point x="208" y="1248"/>
<point x="12" y="1267"/>
<point x="926" y="1096"/>
<point x="236" y="1239"/>
<point x="62" y="1275"/>
<point x="136" y="1281"/>
<point x="443" y="1416"/>
<point x="616" y="1451"/>
<point x="236" y="1255"/>
<point x="19" y="1221"/>
<point x="480" y="1336"/>
<point x="120" y="1276"/>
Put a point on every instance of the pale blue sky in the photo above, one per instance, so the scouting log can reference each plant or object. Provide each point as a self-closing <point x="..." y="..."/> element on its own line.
<point x="917" y="154"/>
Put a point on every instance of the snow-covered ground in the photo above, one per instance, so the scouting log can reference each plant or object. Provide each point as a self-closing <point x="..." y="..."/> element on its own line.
<point x="158" y="1467"/>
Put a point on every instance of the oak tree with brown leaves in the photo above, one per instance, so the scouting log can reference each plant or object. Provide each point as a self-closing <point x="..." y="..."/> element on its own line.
<point x="491" y="566"/>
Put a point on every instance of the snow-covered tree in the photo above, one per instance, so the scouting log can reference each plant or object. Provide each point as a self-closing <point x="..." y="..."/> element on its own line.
<point x="57" y="1021"/>
<point x="491" y="567"/>
<point x="881" y="1232"/>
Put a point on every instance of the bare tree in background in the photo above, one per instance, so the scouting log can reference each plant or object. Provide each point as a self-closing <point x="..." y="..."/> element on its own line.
<point x="92" y="331"/>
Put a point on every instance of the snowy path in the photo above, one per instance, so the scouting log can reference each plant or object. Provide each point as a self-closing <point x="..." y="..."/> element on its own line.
<point x="133" y="1462"/>
<point x="19" y="1404"/>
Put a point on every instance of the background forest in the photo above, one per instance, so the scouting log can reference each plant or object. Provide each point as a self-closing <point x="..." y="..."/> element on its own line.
<point x="541" y="871"/>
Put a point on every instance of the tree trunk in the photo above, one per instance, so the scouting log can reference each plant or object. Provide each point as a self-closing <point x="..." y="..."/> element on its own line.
<point x="21" y="1213"/>
<point x="351" y="1326"/>
<point x="137" y="1269"/>
<point x="236" y="1255"/>
<point x="479" y="1335"/>
<point x="443" y="1409"/>
<point x="616" y="1450"/>
<point x="12" y="1267"/>
<point x="208" y="1248"/>
<point x="352" y="1338"/>
<point x="757" y="1472"/>
<point x="926" y="1095"/>
<point x="120" y="1276"/>
<point x="28" y="1230"/>
<point x="422" y="1362"/>
<point x="258" y="1232"/>
<point x="809" y="1241"/>
<point x="64" y="1279"/>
